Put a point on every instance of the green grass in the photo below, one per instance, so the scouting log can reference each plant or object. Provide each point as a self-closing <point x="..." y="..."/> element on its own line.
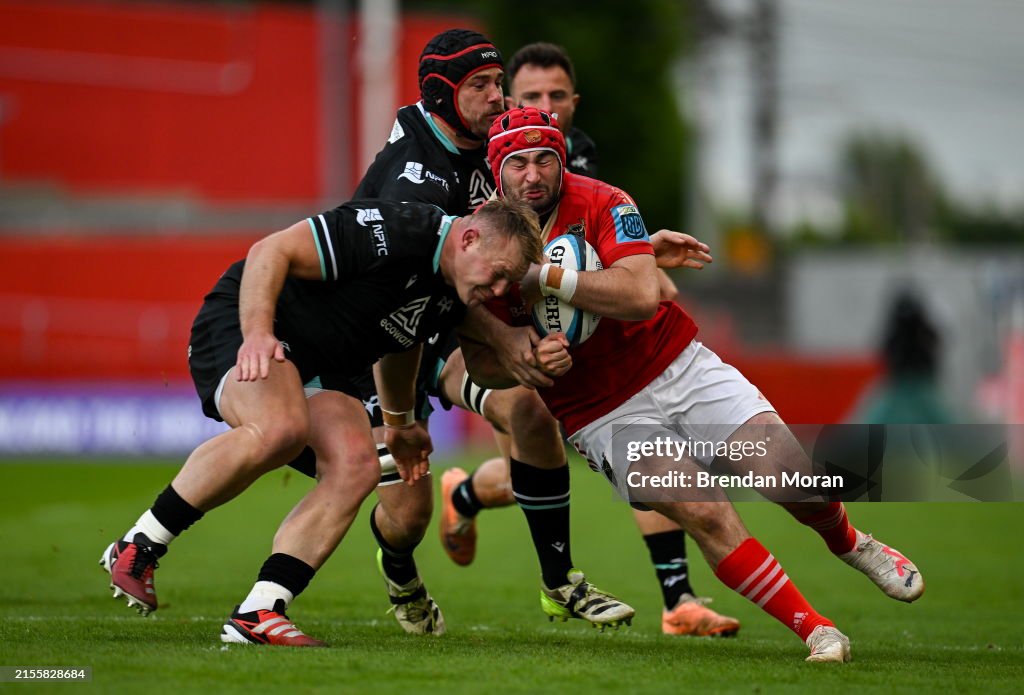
<point x="56" y="610"/>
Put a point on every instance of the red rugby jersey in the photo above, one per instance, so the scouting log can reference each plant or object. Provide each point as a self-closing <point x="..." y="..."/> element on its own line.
<point x="621" y="357"/>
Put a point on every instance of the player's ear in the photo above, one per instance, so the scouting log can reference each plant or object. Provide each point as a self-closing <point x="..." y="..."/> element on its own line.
<point x="470" y="236"/>
<point x="510" y="103"/>
<point x="575" y="101"/>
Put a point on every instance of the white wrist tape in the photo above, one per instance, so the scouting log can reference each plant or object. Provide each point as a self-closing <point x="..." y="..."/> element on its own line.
<point x="401" y="420"/>
<point x="558" y="282"/>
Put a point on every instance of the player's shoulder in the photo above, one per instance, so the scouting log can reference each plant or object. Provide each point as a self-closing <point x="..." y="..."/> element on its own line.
<point x="397" y="229"/>
<point x="592" y="192"/>
<point x="579" y="138"/>
<point x="418" y="156"/>
<point x="411" y="137"/>
<point x="582" y="153"/>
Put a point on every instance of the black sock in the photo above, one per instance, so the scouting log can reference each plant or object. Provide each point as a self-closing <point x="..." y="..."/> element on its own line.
<point x="543" y="495"/>
<point x="399" y="565"/>
<point x="465" y="500"/>
<point x="174" y="513"/>
<point x="668" y="554"/>
<point x="290" y="572"/>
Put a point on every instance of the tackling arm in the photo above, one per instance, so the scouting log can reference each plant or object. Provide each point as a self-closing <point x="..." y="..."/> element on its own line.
<point x="511" y="347"/>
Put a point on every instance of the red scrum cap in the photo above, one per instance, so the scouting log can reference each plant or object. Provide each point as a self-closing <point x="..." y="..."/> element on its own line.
<point x="522" y="129"/>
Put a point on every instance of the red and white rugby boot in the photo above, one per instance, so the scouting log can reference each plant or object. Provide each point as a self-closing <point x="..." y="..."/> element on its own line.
<point x="266" y="627"/>
<point x="888" y="568"/>
<point x="131" y="566"/>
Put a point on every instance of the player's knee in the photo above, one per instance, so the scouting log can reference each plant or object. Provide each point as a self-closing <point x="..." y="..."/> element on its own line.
<point x="527" y="413"/>
<point x="284" y="437"/>
<point x="719" y="521"/>
<point x="353" y="474"/>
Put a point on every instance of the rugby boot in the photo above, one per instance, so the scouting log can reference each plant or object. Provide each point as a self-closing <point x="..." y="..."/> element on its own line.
<point x="889" y="569"/>
<point x="692" y="617"/>
<point x="414" y="609"/>
<point x="266" y="627"/>
<point x="458" y="533"/>
<point x="828" y="644"/>
<point x="131" y="566"/>
<point x="580" y="599"/>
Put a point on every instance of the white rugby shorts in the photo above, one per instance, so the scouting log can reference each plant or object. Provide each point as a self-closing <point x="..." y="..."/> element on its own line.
<point x="698" y="395"/>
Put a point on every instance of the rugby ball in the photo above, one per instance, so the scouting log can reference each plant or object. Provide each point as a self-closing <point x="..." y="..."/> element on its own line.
<point x="551" y="314"/>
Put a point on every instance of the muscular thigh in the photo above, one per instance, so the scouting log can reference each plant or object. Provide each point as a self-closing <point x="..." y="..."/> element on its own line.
<point x="340" y="433"/>
<point x="279" y="397"/>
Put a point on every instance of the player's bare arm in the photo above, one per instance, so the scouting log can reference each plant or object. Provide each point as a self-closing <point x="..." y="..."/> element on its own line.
<point x="406" y="439"/>
<point x="291" y="252"/>
<point x="483" y="366"/>
<point x="667" y="290"/>
<point x="627" y="290"/>
<point x="512" y="346"/>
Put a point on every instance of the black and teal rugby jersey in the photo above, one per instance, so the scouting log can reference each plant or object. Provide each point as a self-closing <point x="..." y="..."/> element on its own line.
<point x="381" y="289"/>
<point x="581" y="152"/>
<point x="419" y="163"/>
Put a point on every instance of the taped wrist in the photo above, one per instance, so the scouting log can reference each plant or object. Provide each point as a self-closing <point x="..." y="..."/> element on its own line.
<point x="558" y="282"/>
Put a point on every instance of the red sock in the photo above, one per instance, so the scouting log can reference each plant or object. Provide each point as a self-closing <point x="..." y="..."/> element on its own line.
<point x="833" y="526"/>
<point x="752" y="571"/>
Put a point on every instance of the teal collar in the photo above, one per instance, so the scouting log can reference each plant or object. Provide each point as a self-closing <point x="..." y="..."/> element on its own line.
<point x="448" y="144"/>
<point x="442" y="234"/>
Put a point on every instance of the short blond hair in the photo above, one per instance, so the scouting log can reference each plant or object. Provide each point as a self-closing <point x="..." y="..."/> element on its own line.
<point x="514" y="219"/>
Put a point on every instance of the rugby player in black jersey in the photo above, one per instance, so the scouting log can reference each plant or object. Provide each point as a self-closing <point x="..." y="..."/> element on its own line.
<point x="327" y="297"/>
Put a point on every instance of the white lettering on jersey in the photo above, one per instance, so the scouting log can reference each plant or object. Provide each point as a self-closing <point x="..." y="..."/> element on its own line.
<point x="373" y="215"/>
<point x="445" y="304"/>
<point x="479" y="189"/>
<point x="414" y="172"/>
<point x="411" y="281"/>
<point x="396" y="132"/>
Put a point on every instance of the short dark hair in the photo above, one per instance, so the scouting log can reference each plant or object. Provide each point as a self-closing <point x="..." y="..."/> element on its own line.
<point x="541" y="54"/>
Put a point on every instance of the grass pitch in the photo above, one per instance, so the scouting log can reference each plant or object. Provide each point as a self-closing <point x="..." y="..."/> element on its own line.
<point x="965" y="634"/>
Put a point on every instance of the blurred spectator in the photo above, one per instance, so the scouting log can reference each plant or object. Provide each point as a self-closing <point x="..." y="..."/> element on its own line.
<point x="908" y="392"/>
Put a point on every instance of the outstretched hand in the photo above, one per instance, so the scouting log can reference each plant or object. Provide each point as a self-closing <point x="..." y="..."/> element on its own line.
<point x="679" y="250"/>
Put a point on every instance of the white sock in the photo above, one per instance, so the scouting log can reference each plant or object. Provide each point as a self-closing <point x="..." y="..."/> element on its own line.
<point x="153" y="529"/>
<point x="263" y="597"/>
